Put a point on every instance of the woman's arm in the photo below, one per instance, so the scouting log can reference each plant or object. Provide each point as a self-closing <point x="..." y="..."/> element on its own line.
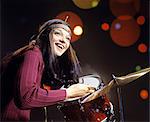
<point x="28" y="93"/>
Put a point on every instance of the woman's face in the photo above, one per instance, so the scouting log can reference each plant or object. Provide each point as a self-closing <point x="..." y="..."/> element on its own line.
<point x="60" y="40"/>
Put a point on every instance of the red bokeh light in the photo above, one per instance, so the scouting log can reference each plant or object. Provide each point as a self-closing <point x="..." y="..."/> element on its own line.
<point x="128" y="34"/>
<point x="105" y="26"/>
<point x="141" y="20"/>
<point x="125" y="17"/>
<point x="142" y="48"/>
<point x="124" y="7"/>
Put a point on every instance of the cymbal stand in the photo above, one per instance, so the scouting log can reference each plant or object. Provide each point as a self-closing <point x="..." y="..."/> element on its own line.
<point x="119" y="101"/>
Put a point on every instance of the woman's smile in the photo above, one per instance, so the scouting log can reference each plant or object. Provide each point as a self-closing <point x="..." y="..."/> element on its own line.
<point x="60" y="45"/>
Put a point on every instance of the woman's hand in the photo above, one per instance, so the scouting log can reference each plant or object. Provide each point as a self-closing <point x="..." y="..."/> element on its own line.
<point x="78" y="90"/>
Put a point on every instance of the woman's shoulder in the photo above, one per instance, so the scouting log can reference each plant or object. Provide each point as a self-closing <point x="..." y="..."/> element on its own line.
<point x="35" y="52"/>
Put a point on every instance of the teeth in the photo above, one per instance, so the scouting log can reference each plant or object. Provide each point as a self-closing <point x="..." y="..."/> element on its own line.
<point x="59" y="45"/>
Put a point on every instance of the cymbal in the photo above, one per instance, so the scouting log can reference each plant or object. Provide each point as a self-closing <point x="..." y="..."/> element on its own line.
<point x="131" y="77"/>
<point x="116" y="81"/>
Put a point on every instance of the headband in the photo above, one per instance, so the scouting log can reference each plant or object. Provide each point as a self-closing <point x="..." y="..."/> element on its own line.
<point x="55" y="23"/>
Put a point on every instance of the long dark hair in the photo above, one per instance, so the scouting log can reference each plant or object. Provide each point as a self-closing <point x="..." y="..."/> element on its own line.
<point x="58" y="70"/>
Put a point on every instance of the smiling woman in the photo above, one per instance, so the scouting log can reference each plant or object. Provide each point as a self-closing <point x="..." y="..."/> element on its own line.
<point x="48" y="60"/>
<point x="60" y="40"/>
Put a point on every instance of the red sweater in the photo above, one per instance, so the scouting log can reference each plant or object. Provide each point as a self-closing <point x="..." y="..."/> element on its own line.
<point x="27" y="91"/>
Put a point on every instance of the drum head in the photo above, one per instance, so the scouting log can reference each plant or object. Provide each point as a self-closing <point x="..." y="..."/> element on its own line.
<point x="93" y="80"/>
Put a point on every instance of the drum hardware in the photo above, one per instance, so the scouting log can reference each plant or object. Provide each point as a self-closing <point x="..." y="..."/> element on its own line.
<point x="81" y="107"/>
<point x="120" y="104"/>
<point x="45" y="114"/>
<point x="58" y="107"/>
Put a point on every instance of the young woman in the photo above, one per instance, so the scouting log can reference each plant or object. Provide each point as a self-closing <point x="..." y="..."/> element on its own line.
<point x="49" y="60"/>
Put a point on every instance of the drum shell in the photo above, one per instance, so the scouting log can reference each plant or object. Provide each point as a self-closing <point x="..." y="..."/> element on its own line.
<point x="94" y="111"/>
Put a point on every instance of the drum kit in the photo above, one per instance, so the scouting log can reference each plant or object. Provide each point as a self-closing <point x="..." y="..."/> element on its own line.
<point x="96" y="106"/>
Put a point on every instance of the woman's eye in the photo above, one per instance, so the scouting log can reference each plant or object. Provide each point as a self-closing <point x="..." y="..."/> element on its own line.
<point x="57" y="33"/>
<point x="68" y="38"/>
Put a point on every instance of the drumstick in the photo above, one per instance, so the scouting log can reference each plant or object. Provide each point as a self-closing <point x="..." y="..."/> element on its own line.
<point x="99" y="92"/>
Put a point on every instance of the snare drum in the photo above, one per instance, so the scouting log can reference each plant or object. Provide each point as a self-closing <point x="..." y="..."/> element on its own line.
<point x="94" y="111"/>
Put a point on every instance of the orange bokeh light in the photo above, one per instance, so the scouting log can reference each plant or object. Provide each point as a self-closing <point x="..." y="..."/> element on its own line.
<point x="144" y="94"/>
<point x="142" y="48"/>
<point x="141" y="20"/>
<point x="74" y="20"/>
<point x="47" y="87"/>
<point x="105" y="26"/>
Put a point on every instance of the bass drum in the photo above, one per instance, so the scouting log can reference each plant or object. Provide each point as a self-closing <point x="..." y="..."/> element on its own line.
<point x="98" y="110"/>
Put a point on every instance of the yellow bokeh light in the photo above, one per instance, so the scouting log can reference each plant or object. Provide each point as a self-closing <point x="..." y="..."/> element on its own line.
<point x="94" y="3"/>
<point x="77" y="30"/>
<point x="86" y="4"/>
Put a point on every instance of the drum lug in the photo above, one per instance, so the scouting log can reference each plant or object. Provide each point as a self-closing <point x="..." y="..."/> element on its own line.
<point x="59" y="107"/>
<point x="82" y="108"/>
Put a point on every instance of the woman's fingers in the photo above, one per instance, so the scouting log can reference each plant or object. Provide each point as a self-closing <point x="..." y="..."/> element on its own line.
<point x="91" y="91"/>
<point x="90" y="88"/>
<point x="79" y="90"/>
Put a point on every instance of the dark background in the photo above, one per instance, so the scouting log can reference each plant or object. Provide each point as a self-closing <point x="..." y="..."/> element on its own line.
<point x="20" y="19"/>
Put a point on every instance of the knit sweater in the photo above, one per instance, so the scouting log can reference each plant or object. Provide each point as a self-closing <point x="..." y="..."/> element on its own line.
<point x="23" y="91"/>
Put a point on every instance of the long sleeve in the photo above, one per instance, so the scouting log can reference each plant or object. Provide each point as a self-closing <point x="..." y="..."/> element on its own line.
<point x="29" y="94"/>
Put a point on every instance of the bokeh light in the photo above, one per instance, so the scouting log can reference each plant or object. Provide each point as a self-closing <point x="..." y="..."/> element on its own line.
<point x="74" y="20"/>
<point x="45" y="86"/>
<point x="141" y="20"/>
<point x="127" y="35"/>
<point x="125" y="17"/>
<point x="144" y="94"/>
<point x="86" y="4"/>
<point x="105" y="26"/>
<point x="142" y="48"/>
<point x="124" y="1"/>
<point x="117" y="26"/>
<point x="124" y="7"/>
<point x="95" y="3"/>
<point x="137" y="68"/>
<point x="78" y="30"/>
